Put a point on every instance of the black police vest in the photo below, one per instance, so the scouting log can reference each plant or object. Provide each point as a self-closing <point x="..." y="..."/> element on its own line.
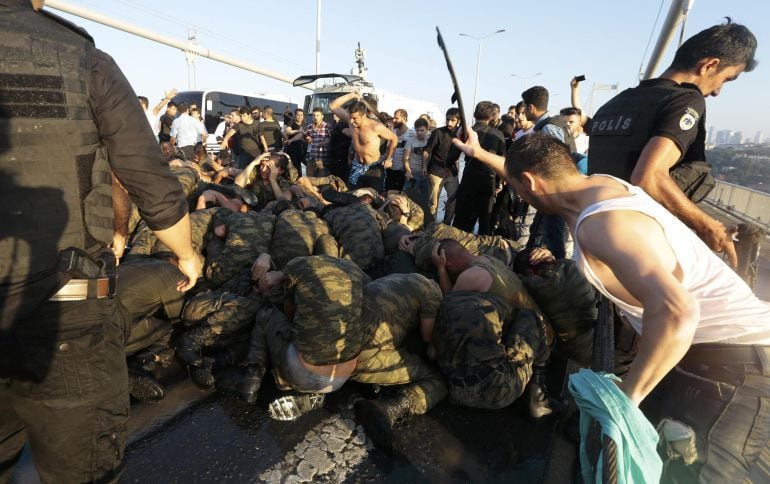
<point x="55" y="192"/>
<point x="622" y="127"/>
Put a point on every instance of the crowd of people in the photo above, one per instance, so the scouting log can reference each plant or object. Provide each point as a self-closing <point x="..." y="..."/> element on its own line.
<point x="311" y="253"/>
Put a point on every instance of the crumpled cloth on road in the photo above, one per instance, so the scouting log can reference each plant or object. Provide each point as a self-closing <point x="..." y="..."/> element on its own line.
<point x="599" y="398"/>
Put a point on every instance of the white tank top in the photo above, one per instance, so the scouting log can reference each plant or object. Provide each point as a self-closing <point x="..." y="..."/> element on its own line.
<point x="730" y="313"/>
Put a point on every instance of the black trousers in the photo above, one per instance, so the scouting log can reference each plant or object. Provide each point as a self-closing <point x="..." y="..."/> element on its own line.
<point x="475" y="199"/>
<point x="68" y="394"/>
<point x="394" y="179"/>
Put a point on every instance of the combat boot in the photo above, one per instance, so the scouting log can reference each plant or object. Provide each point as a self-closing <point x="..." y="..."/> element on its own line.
<point x="379" y="416"/>
<point x="143" y="386"/>
<point x="539" y="406"/>
<point x="243" y="384"/>
<point x="203" y="376"/>
<point x="191" y="343"/>
<point x="291" y="407"/>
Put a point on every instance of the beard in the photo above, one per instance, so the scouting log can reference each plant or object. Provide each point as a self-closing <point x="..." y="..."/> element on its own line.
<point x="398" y="125"/>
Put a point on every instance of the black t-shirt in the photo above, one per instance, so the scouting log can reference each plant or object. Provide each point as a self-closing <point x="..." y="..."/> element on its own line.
<point x="491" y="139"/>
<point x="164" y="134"/>
<point x="441" y="151"/>
<point x="656" y="107"/>
<point x="339" y="142"/>
<point x="248" y="137"/>
<point x="271" y="130"/>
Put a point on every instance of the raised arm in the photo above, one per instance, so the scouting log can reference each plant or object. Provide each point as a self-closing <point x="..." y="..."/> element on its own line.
<point x="574" y="96"/>
<point x="336" y="105"/>
<point x="168" y="95"/>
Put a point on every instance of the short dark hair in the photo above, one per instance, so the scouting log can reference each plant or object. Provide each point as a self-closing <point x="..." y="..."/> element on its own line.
<point x="571" y="111"/>
<point x="536" y="96"/>
<point x="318" y="109"/>
<point x="420" y="123"/>
<point x="453" y="113"/>
<point x="199" y="149"/>
<point x="520" y="106"/>
<point x="246" y="110"/>
<point x="484" y="111"/>
<point x="183" y="107"/>
<point x="357" y="107"/>
<point x="300" y="110"/>
<point x="402" y="111"/>
<point x="145" y="102"/>
<point x="733" y="44"/>
<point x="540" y="154"/>
<point x="512" y="107"/>
<point x="225" y="157"/>
<point x="171" y="104"/>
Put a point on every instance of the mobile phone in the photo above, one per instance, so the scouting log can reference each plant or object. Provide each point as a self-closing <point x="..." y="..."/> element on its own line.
<point x="580" y="78"/>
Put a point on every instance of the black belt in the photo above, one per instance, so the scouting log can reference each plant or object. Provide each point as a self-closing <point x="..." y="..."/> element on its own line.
<point x="724" y="355"/>
<point x="472" y="379"/>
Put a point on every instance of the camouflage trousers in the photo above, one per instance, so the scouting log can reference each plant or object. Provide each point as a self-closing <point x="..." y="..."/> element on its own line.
<point x="225" y="313"/>
<point x="486" y="349"/>
<point x="382" y="362"/>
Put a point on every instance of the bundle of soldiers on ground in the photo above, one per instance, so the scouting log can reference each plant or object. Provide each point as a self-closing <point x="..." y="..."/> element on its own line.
<point x="346" y="274"/>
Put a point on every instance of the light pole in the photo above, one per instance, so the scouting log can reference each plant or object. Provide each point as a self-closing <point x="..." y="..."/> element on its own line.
<point x="478" y="58"/>
<point x="524" y="78"/>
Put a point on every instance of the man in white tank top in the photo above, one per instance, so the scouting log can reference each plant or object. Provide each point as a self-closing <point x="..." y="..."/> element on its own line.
<point x="701" y="326"/>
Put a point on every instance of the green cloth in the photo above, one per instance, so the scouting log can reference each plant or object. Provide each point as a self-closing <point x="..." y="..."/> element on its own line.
<point x="600" y="399"/>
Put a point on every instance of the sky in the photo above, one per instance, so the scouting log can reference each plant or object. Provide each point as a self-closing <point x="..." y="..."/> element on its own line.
<point x="603" y="39"/>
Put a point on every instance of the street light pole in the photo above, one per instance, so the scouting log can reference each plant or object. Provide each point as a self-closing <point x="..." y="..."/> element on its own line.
<point x="524" y="78"/>
<point x="478" y="59"/>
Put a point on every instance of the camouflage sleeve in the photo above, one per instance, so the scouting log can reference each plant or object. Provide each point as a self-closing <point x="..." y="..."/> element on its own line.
<point x="430" y="298"/>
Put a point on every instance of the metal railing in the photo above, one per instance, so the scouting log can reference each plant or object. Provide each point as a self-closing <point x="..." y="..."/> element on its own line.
<point x="750" y="205"/>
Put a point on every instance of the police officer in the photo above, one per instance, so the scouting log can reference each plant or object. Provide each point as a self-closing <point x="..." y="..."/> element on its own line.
<point x="653" y="135"/>
<point x="63" y="377"/>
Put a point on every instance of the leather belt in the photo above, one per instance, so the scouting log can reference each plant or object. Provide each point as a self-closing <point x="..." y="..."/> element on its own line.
<point x="81" y="289"/>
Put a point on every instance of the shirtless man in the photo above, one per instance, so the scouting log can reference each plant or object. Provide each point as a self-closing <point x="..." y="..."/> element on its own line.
<point x="368" y="167"/>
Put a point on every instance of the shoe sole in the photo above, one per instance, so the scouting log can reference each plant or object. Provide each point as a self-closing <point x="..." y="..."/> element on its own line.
<point x="288" y="408"/>
<point x="142" y="389"/>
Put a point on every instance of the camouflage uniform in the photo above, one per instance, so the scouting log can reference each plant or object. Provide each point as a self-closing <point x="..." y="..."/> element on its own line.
<point x="327" y="294"/>
<point x="324" y="182"/>
<point x="505" y="283"/>
<point x="491" y="245"/>
<point x="264" y="192"/>
<point x="248" y="235"/>
<point x="201" y="223"/>
<point x="188" y="178"/>
<point x="393" y="308"/>
<point x="227" y="314"/>
<point x="358" y="230"/>
<point x="295" y="235"/>
<point x="415" y="217"/>
<point x="570" y="303"/>
<point x="486" y="349"/>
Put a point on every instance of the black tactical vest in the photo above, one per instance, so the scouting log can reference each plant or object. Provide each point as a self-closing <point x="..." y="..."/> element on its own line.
<point x="53" y="192"/>
<point x="622" y="127"/>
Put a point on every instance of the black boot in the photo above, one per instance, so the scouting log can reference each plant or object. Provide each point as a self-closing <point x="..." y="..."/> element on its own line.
<point x="143" y="386"/>
<point x="539" y="406"/>
<point x="379" y="416"/>
<point x="191" y="343"/>
<point x="293" y="406"/>
<point x="203" y="376"/>
<point x="243" y="384"/>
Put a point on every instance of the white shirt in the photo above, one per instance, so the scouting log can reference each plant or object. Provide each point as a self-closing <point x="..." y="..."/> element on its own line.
<point x="581" y="143"/>
<point x="729" y="312"/>
<point x="153" y="120"/>
<point x="187" y="130"/>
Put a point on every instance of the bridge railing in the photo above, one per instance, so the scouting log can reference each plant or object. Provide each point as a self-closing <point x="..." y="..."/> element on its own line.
<point x="751" y="205"/>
